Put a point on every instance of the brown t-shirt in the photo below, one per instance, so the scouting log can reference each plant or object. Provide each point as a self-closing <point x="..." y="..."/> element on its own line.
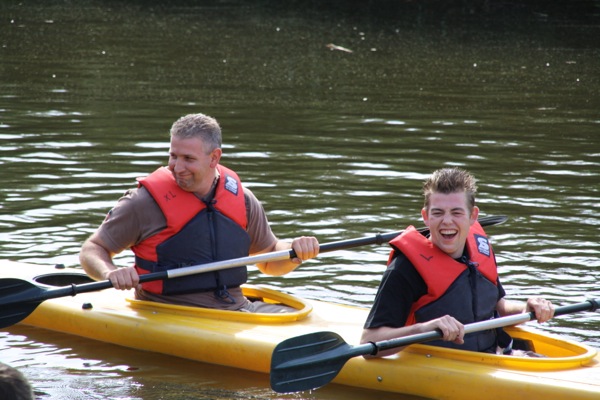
<point x="136" y="217"/>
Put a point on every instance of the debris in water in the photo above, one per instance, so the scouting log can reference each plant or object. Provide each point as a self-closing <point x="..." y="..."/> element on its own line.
<point x="332" y="46"/>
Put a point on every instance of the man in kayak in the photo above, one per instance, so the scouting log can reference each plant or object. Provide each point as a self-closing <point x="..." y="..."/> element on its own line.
<point x="193" y="211"/>
<point x="448" y="279"/>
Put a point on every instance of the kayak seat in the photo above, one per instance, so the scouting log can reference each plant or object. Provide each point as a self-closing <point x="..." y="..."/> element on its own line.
<point x="523" y="344"/>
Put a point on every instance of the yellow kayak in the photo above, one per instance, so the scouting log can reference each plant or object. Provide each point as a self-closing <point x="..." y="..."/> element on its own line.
<point x="570" y="370"/>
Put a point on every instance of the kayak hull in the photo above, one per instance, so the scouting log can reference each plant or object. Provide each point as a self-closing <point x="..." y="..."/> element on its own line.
<point x="244" y="340"/>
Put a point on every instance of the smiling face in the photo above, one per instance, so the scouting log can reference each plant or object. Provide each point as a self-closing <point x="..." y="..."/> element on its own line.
<point x="192" y="165"/>
<point x="449" y="219"/>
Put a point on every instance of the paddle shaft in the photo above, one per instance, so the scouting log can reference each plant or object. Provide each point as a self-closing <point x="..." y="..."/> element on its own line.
<point x="36" y="296"/>
<point x="289" y="254"/>
<point x="590" y="305"/>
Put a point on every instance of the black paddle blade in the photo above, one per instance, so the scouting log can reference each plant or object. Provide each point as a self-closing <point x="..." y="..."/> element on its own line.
<point x="492" y="220"/>
<point x="307" y="362"/>
<point x="18" y="299"/>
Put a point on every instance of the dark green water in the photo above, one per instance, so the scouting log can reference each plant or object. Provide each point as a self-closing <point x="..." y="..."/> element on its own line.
<point x="334" y="144"/>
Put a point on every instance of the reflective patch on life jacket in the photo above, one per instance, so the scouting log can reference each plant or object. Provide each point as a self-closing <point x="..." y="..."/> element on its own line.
<point x="231" y="184"/>
<point x="483" y="245"/>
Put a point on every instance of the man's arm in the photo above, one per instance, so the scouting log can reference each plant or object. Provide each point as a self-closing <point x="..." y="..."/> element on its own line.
<point x="305" y="247"/>
<point x="543" y="309"/>
<point x="96" y="260"/>
<point x="451" y="329"/>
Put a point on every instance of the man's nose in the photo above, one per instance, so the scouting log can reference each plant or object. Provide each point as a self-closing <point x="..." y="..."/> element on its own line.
<point x="176" y="165"/>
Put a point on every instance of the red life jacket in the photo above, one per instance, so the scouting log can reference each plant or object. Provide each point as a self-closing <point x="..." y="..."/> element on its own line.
<point x="196" y="233"/>
<point x="467" y="292"/>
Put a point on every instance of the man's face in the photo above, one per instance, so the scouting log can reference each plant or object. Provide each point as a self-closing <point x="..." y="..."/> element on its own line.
<point x="191" y="165"/>
<point x="449" y="221"/>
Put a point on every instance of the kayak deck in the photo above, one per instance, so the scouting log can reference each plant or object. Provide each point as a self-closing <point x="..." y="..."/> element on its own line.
<point x="246" y="340"/>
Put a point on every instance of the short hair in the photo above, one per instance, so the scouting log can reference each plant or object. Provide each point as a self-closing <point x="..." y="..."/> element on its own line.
<point x="450" y="180"/>
<point x="13" y="384"/>
<point x="199" y="126"/>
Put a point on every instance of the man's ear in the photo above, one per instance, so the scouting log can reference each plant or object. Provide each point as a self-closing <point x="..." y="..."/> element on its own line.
<point x="474" y="214"/>
<point x="215" y="157"/>
<point x="425" y="216"/>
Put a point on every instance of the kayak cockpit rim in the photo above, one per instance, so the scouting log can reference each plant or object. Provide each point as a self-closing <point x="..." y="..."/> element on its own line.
<point x="557" y="354"/>
<point x="253" y="292"/>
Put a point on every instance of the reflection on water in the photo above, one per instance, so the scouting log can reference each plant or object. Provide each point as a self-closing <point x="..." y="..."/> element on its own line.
<point x="334" y="144"/>
<point x="82" y="369"/>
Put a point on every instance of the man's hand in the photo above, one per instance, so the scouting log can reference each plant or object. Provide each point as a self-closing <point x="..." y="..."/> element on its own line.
<point x="305" y="247"/>
<point x="452" y="330"/>
<point x="123" y="278"/>
<point x="544" y="309"/>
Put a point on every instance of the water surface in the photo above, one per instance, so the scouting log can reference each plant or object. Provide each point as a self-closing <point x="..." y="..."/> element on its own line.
<point x="335" y="144"/>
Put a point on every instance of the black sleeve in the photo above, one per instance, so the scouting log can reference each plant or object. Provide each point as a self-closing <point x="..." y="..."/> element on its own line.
<point x="501" y="292"/>
<point x="400" y="287"/>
